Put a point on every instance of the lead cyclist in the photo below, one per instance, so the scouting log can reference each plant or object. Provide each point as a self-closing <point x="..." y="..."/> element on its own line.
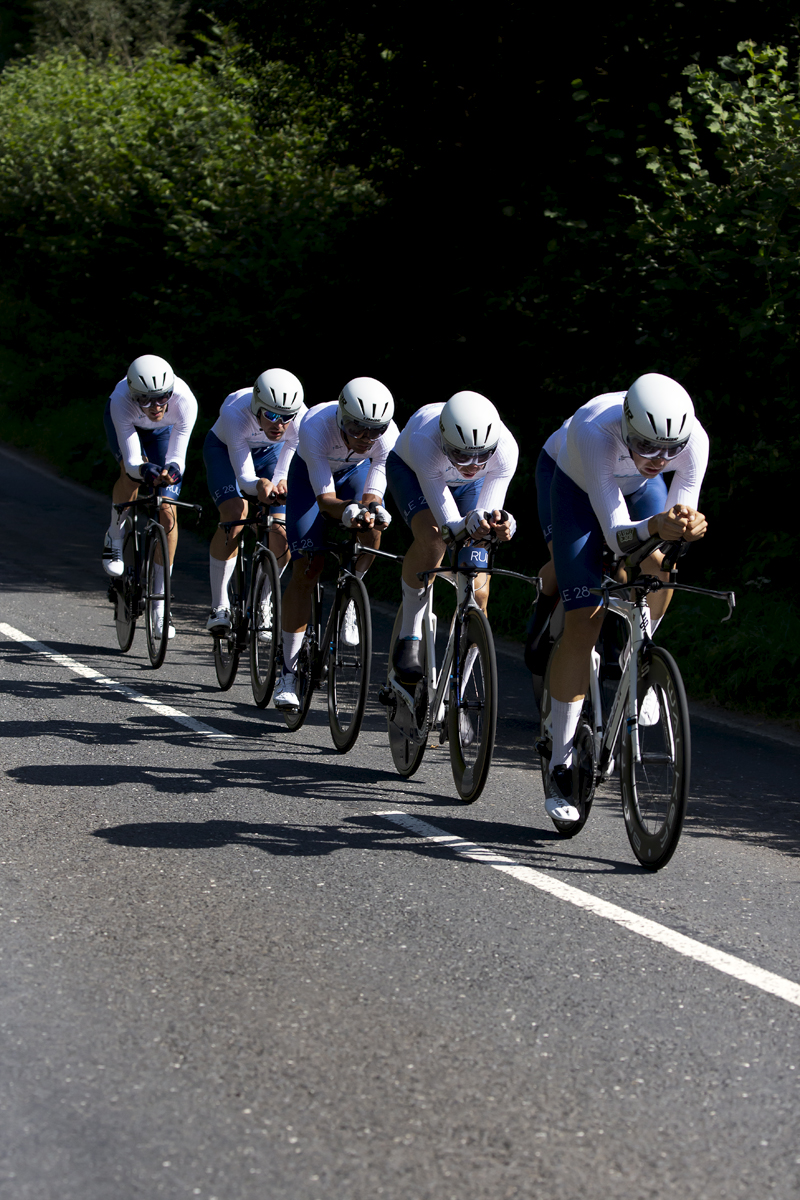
<point x="606" y="483"/>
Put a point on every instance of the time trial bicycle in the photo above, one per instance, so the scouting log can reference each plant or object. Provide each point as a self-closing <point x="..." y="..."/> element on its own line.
<point x="635" y="716"/>
<point x="135" y="592"/>
<point x="254" y="603"/>
<point x="459" y="701"/>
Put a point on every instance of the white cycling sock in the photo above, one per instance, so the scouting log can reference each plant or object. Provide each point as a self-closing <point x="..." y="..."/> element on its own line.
<point x="115" y="528"/>
<point x="291" y="649"/>
<point x="414" y="600"/>
<point x="221" y="571"/>
<point x="564" y="717"/>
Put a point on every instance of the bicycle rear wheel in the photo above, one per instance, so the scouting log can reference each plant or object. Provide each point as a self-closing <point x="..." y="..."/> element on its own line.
<point x="265" y="626"/>
<point x="656" y="790"/>
<point x="227" y="643"/>
<point x="408" y="733"/>
<point x="349" y="663"/>
<point x="307" y="666"/>
<point x="126" y="605"/>
<point x="156" y="598"/>
<point x="472" y="706"/>
<point x="584" y="763"/>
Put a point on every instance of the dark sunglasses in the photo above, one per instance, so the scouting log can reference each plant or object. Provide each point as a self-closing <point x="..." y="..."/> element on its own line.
<point x="357" y="430"/>
<point x="161" y="402"/>
<point x="465" y="458"/>
<point x="277" y="417"/>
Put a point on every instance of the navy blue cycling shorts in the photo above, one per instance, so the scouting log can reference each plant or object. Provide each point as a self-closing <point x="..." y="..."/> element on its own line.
<point x="222" y="483"/>
<point x="305" y="524"/>
<point x="154" y="443"/>
<point x="578" y="538"/>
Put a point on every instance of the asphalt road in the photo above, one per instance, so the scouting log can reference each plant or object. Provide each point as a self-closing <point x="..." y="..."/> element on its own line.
<point x="226" y="972"/>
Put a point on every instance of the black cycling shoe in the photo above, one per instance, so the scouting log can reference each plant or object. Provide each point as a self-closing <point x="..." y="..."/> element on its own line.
<point x="407" y="661"/>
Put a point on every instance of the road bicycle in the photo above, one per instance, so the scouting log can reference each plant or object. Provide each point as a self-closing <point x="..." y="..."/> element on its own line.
<point x="635" y="717"/>
<point x="341" y="652"/>
<point x="254" y="603"/>
<point x="135" y="594"/>
<point x="459" y="701"/>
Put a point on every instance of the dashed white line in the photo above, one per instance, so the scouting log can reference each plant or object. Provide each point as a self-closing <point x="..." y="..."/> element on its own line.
<point x="78" y="668"/>
<point x="728" y="964"/>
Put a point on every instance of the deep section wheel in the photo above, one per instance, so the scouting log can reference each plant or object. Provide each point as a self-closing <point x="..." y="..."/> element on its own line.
<point x="157" y="594"/>
<point x="265" y="627"/>
<point x="126" y="602"/>
<point x="408" y="729"/>
<point x="472" y="706"/>
<point x="349" y="662"/>
<point x="655" y="791"/>
<point x="227" y="644"/>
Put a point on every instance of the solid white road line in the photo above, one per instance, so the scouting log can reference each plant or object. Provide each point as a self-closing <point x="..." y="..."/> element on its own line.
<point x="63" y="660"/>
<point x="776" y="985"/>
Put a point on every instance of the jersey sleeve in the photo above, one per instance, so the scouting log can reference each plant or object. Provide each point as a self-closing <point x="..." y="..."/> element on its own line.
<point x="180" y="432"/>
<point x="129" y="444"/>
<point x="289" y="447"/>
<point x="690" y="469"/>
<point x="499" y="474"/>
<point x="598" y="455"/>
<point x="376" y="478"/>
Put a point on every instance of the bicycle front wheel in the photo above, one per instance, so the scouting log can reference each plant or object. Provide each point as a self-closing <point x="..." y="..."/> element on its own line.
<point x="126" y="607"/>
<point x="157" y="597"/>
<point x="408" y="732"/>
<point x="227" y="644"/>
<point x="265" y="627"/>
<point x="307" y="667"/>
<point x="472" y="706"/>
<point x="349" y="662"/>
<point x="655" y="791"/>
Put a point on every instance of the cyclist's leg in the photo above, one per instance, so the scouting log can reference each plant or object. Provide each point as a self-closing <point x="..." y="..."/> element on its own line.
<point x="650" y="499"/>
<point x="232" y="506"/>
<point x="125" y="490"/>
<point x="548" y="597"/>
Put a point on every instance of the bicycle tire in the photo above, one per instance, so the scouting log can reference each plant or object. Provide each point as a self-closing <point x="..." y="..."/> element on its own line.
<point x="472" y="706"/>
<point x="265" y="626"/>
<point x="407" y="750"/>
<point x="227" y="643"/>
<point x="156" y="642"/>
<point x="584" y="759"/>
<point x="307" y="668"/>
<point x="349" y="665"/>
<point x="125" y="612"/>
<point x="655" y="792"/>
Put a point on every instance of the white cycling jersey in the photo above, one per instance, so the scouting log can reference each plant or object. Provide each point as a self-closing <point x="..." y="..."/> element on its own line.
<point x="595" y="457"/>
<point x="242" y="434"/>
<point x="322" y="448"/>
<point x="128" y="416"/>
<point x="556" y="440"/>
<point x="420" y="448"/>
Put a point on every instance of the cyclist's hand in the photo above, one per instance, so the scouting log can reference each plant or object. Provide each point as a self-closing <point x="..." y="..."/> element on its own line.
<point x="173" y="474"/>
<point x="281" y="487"/>
<point x="264" y="491"/>
<point x="356" y="516"/>
<point x="476" y="526"/>
<point x="151" y="474"/>
<point x="696" y="526"/>
<point x="383" y="518"/>
<point x="502" y="525"/>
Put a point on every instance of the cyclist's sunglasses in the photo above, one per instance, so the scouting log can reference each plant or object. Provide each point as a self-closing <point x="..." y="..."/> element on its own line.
<point x="277" y="417"/>
<point x="465" y="458"/>
<point x="161" y="402"/>
<point x="358" y="430"/>
<point x="647" y="449"/>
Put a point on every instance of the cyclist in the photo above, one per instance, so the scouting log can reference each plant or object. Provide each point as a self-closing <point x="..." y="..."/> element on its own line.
<point x="148" y="420"/>
<point x="608" y="484"/>
<point x="451" y="463"/>
<point x="247" y="455"/>
<point x="339" y="469"/>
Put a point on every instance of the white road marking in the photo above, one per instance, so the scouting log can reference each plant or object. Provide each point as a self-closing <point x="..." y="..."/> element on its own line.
<point x="63" y="660"/>
<point x="766" y="981"/>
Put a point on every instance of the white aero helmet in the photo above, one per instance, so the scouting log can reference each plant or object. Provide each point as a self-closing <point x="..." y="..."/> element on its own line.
<point x="150" y="379"/>
<point x="365" y="408"/>
<point x="657" y="416"/>
<point x="469" y="427"/>
<point x="277" y="392"/>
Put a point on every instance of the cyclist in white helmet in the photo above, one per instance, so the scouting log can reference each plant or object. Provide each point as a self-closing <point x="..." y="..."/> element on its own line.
<point x="451" y="464"/>
<point x="148" y="420"/>
<point x="247" y="455"/>
<point x="600" y="478"/>
<point x="339" y="470"/>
